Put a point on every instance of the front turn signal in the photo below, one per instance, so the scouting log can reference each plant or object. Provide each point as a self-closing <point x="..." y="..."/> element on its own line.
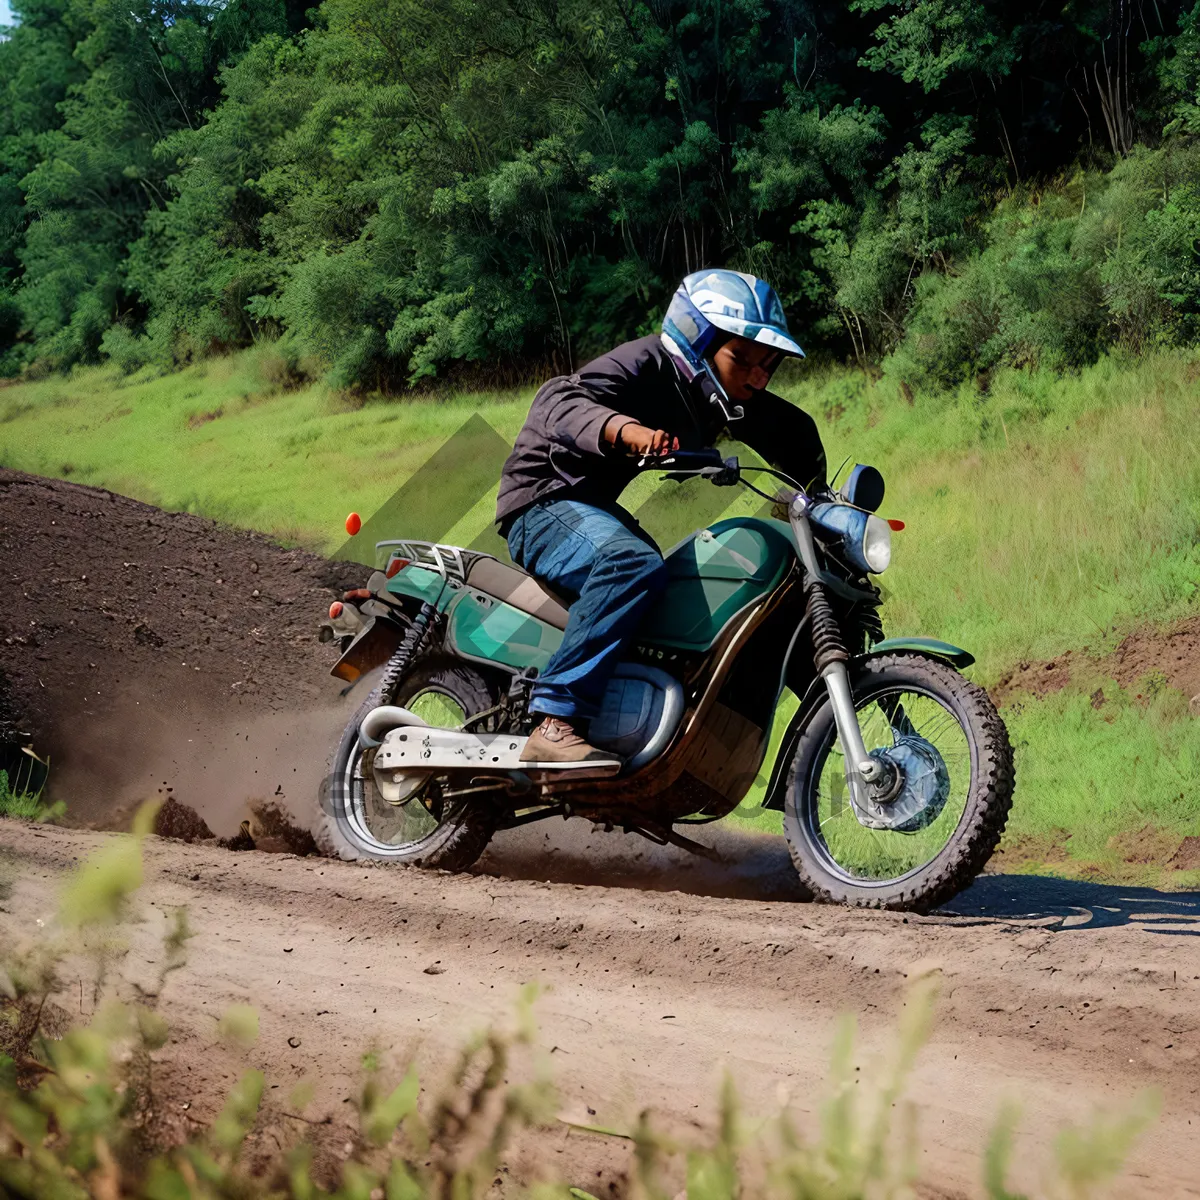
<point x="353" y="524"/>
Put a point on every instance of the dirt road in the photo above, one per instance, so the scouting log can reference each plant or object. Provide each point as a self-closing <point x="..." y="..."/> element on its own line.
<point x="1064" y="997"/>
<point x="149" y="651"/>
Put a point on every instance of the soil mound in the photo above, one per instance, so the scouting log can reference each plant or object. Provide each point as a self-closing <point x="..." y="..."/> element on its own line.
<point x="181" y="822"/>
<point x="1172" y="654"/>
<point x="125" y="629"/>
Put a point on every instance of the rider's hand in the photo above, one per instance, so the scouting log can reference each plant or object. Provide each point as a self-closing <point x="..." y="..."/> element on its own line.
<point x="646" y="443"/>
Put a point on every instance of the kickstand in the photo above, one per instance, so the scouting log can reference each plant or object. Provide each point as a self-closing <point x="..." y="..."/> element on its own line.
<point x="663" y="837"/>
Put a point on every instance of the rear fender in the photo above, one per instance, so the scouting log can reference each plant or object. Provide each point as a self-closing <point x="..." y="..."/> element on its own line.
<point x="956" y="656"/>
<point x="415" y="582"/>
<point x="379" y="640"/>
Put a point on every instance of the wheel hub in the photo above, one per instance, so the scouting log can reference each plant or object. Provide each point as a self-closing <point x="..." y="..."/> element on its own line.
<point x="913" y="790"/>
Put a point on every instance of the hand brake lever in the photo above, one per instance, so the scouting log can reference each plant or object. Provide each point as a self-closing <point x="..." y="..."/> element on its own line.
<point x="725" y="475"/>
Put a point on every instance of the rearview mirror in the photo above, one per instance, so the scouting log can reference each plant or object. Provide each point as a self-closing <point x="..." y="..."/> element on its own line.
<point x="864" y="488"/>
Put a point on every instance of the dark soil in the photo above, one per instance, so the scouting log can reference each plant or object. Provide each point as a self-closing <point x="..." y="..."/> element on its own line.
<point x="121" y="622"/>
<point x="179" y="821"/>
<point x="1187" y="857"/>
<point x="1172" y="653"/>
<point x="271" y="830"/>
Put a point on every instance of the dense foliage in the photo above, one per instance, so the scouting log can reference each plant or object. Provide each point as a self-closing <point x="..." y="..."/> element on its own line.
<point x="399" y="187"/>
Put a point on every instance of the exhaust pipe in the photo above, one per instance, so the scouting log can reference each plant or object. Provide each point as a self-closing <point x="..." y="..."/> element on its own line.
<point x="384" y="719"/>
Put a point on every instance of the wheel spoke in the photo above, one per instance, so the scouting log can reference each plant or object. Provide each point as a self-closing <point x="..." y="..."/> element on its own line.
<point x="860" y="852"/>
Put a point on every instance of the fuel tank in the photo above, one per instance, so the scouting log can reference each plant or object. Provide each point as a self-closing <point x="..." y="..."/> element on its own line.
<point x="713" y="575"/>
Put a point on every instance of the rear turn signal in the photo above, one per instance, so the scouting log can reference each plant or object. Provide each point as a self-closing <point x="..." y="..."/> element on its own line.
<point x="396" y="566"/>
<point x="353" y="524"/>
<point x="895" y="525"/>
<point x="335" y="610"/>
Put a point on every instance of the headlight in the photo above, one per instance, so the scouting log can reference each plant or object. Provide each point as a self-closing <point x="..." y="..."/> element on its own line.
<point x="877" y="545"/>
<point x="866" y="540"/>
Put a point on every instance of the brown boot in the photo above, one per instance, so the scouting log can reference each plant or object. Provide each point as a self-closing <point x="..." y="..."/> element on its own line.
<point x="556" y="743"/>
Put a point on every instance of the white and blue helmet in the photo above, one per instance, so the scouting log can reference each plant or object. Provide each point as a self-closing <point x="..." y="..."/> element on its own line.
<point x="708" y="303"/>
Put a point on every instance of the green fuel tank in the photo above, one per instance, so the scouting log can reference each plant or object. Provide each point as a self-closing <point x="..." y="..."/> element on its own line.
<point x="713" y="575"/>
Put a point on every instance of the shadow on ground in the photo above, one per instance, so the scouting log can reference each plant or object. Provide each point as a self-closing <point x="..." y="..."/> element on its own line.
<point x="1070" y="904"/>
<point x="752" y="866"/>
<point x="757" y="867"/>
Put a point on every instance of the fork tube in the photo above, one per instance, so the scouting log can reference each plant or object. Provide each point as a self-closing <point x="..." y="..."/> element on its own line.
<point x="837" y="682"/>
<point x="830" y="658"/>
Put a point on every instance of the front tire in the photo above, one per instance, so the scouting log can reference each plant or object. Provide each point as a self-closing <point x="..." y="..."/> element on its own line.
<point x="357" y="823"/>
<point x="844" y="861"/>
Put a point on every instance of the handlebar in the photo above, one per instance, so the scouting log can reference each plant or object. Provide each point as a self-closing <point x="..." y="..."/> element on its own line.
<point x="708" y="464"/>
<point x="695" y="464"/>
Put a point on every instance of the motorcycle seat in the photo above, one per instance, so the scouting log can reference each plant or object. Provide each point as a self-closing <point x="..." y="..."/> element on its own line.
<point x="518" y="588"/>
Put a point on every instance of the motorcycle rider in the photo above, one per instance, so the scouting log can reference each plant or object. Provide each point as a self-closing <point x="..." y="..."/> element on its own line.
<point x="722" y="338"/>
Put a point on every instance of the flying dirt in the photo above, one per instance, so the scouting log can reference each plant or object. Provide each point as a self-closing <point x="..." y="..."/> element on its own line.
<point x="658" y="970"/>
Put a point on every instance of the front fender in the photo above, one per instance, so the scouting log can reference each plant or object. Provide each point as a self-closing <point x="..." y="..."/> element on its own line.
<point x="956" y="656"/>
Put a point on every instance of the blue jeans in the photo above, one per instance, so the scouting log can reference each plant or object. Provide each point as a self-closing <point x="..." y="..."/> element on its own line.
<point x="610" y="571"/>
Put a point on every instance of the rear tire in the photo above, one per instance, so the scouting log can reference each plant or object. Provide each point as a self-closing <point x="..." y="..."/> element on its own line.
<point x="349" y="799"/>
<point x="984" y="810"/>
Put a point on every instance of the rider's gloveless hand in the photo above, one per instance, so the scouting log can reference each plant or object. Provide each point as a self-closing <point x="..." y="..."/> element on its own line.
<point x="643" y="441"/>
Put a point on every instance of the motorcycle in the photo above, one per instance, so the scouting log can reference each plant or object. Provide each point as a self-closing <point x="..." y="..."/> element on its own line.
<point x="894" y="774"/>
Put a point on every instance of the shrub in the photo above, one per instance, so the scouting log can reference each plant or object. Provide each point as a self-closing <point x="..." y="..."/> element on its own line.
<point x="21" y="788"/>
<point x="1098" y="261"/>
<point x="69" y="1105"/>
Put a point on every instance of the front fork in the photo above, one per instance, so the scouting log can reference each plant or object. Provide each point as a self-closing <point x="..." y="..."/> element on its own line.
<point x="845" y="717"/>
<point x="830" y="659"/>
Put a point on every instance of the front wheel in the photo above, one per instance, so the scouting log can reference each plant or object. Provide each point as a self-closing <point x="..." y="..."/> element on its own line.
<point x="431" y="827"/>
<point x="951" y="767"/>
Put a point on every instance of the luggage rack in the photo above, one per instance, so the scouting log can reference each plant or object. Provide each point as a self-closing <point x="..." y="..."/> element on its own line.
<point x="450" y="562"/>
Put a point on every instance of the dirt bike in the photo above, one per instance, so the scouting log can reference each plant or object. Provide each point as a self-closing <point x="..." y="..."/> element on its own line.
<point x="894" y="774"/>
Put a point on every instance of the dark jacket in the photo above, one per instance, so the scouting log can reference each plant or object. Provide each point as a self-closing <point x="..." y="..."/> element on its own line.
<point x="561" y="448"/>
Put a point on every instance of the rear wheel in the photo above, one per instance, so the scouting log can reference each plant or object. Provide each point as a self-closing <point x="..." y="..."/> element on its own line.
<point x="430" y="827"/>
<point x="937" y="823"/>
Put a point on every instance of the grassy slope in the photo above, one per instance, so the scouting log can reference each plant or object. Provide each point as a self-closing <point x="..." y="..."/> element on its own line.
<point x="1049" y="514"/>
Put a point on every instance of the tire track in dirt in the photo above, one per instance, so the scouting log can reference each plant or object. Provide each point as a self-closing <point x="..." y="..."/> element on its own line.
<point x="649" y="996"/>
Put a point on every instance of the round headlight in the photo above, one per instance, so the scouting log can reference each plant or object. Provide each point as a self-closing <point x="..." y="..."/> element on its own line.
<point x="877" y="544"/>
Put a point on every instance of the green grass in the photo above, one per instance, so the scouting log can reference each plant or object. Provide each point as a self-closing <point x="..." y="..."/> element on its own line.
<point x="16" y="802"/>
<point x="1050" y="513"/>
<point x="217" y="439"/>
<point x="20" y="797"/>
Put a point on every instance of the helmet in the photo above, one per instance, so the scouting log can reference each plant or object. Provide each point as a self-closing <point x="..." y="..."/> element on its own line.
<point x="708" y="303"/>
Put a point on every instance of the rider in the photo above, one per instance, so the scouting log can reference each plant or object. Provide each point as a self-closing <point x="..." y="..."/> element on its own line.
<point x="723" y="336"/>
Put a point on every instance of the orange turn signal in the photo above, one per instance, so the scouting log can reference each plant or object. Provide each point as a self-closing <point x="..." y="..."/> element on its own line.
<point x="353" y="524"/>
<point x="335" y="610"/>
